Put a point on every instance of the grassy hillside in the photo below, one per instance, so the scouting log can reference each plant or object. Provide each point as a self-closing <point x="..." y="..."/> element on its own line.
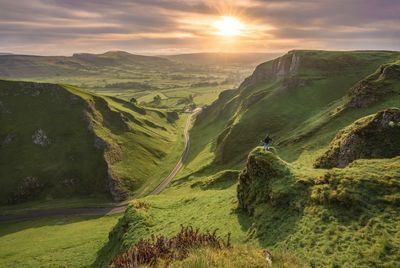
<point x="289" y="98"/>
<point x="58" y="141"/>
<point x="337" y="217"/>
<point x="314" y="217"/>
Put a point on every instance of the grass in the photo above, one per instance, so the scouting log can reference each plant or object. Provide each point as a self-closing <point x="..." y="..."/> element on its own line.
<point x="45" y="204"/>
<point x="179" y="204"/>
<point x="53" y="242"/>
<point x="327" y="217"/>
<point x="238" y="256"/>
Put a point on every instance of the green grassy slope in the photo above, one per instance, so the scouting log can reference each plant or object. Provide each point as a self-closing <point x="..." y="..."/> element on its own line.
<point x="288" y="98"/>
<point x="59" y="141"/>
<point x="338" y="217"/>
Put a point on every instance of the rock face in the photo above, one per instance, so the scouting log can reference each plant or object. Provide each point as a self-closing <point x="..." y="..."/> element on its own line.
<point x="374" y="136"/>
<point x="258" y="181"/>
<point x="40" y="138"/>
<point x="282" y="68"/>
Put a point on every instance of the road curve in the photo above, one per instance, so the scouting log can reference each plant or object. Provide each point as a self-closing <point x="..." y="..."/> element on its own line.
<point x="102" y="211"/>
<point x="164" y="183"/>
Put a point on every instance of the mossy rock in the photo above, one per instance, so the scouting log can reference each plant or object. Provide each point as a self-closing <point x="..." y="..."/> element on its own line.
<point x="374" y="136"/>
<point x="262" y="180"/>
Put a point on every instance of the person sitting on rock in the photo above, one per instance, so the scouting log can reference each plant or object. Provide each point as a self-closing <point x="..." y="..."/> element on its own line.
<point x="267" y="142"/>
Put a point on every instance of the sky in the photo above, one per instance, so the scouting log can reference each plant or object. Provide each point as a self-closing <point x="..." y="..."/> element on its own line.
<point x="64" y="27"/>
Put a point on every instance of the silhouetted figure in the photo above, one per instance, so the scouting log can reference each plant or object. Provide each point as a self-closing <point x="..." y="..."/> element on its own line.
<point x="267" y="142"/>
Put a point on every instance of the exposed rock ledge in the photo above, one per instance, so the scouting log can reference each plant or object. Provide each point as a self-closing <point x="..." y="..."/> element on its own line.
<point x="374" y="136"/>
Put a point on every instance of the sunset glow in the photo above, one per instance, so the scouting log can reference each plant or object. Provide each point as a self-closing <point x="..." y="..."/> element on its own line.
<point x="197" y="26"/>
<point x="228" y="26"/>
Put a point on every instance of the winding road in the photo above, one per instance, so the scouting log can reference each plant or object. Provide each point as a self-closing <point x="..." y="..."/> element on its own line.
<point x="102" y="211"/>
<point x="164" y="183"/>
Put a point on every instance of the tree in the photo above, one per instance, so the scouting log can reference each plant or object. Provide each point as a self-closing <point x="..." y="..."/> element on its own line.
<point x="133" y="100"/>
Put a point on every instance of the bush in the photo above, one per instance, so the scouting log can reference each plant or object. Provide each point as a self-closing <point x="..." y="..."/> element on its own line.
<point x="150" y="251"/>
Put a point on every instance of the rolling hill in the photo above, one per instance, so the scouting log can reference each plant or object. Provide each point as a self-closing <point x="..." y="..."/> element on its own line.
<point x="16" y="66"/>
<point x="60" y="141"/>
<point x="222" y="59"/>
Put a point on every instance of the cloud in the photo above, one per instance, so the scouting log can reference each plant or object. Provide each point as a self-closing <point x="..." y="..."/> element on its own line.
<point x="159" y="26"/>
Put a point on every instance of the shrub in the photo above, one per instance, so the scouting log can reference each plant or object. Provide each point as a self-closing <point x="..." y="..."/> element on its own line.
<point x="150" y="251"/>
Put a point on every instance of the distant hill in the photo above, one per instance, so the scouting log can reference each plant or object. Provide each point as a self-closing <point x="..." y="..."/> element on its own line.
<point x="16" y="66"/>
<point x="61" y="141"/>
<point x="223" y="58"/>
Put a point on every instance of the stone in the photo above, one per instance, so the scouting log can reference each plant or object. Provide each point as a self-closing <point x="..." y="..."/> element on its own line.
<point x="40" y="138"/>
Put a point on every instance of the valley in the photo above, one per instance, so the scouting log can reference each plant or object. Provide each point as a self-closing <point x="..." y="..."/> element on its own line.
<point x="325" y="195"/>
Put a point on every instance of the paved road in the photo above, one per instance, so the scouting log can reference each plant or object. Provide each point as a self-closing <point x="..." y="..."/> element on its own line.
<point x="164" y="183"/>
<point x="119" y="208"/>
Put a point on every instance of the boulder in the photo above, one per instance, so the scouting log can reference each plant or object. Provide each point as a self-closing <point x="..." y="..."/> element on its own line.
<point x="40" y="138"/>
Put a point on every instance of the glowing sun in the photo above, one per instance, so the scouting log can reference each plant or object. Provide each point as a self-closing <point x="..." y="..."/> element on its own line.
<point x="228" y="26"/>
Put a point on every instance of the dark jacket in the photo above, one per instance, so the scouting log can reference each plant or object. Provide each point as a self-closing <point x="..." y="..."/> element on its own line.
<point x="267" y="140"/>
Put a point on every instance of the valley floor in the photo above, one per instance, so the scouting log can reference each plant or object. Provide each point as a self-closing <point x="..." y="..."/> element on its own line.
<point x="53" y="242"/>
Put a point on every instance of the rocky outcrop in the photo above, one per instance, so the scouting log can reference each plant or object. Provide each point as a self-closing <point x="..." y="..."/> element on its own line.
<point x="383" y="83"/>
<point x="264" y="170"/>
<point x="40" y="138"/>
<point x="282" y="68"/>
<point x="286" y="66"/>
<point x="374" y="136"/>
<point x="26" y="188"/>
